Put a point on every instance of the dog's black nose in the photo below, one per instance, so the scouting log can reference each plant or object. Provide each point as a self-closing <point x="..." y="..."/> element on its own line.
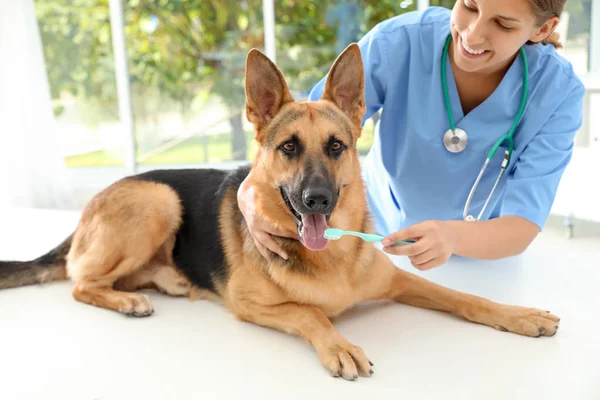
<point x="317" y="199"/>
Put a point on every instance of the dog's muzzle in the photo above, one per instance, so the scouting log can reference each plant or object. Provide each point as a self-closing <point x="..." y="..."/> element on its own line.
<point x="311" y="210"/>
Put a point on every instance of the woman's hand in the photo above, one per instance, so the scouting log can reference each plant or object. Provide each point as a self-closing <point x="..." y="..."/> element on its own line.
<point x="260" y="229"/>
<point x="435" y="242"/>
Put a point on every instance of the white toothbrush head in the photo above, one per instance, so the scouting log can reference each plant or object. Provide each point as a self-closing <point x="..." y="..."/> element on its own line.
<point x="333" y="233"/>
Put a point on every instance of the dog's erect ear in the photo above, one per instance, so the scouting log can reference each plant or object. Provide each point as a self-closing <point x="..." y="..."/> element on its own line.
<point x="345" y="84"/>
<point x="266" y="89"/>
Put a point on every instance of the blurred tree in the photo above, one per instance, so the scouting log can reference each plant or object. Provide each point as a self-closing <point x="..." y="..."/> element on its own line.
<point x="182" y="47"/>
<point x="77" y="48"/>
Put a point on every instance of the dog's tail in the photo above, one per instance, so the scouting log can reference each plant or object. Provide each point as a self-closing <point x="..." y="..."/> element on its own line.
<point x="47" y="268"/>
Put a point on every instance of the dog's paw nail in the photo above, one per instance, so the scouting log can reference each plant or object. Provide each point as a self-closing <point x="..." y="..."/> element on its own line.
<point x="371" y="364"/>
<point x="371" y="372"/>
<point x="541" y="331"/>
<point x="354" y="377"/>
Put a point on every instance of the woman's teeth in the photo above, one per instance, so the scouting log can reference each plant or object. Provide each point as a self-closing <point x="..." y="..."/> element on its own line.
<point x="470" y="50"/>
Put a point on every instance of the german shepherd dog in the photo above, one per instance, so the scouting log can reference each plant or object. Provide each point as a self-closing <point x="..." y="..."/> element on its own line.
<point x="181" y="231"/>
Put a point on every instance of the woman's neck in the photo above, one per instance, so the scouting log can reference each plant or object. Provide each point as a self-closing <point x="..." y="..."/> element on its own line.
<point x="475" y="87"/>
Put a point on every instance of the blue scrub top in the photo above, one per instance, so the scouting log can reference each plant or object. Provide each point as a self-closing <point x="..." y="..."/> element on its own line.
<point x="409" y="174"/>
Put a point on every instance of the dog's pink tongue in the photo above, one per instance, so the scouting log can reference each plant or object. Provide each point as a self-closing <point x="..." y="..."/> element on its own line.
<point x="313" y="231"/>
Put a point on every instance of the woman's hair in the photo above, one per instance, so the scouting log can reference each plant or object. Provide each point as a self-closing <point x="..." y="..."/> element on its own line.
<point x="544" y="9"/>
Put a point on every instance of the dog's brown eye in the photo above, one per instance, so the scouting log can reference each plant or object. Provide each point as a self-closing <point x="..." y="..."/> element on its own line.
<point x="336" y="146"/>
<point x="288" y="146"/>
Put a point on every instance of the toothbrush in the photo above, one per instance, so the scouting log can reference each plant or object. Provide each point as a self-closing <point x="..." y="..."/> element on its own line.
<point x="337" y="233"/>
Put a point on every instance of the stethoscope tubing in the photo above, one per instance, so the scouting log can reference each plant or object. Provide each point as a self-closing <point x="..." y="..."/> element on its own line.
<point x="508" y="137"/>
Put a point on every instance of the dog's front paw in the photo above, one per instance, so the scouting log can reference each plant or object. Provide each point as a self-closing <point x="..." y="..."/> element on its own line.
<point x="137" y="305"/>
<point x="529" y="322"/>
<point x="344" y="359"/>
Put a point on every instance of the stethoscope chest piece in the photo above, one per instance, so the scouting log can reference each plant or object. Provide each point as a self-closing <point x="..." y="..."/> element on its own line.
<point x="455" y="140"/>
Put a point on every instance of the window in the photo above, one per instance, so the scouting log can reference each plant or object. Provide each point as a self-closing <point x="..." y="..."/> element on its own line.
<point x="79" y="61"/>
<point x="187" y="64"/>
<point x="575" y="34"/>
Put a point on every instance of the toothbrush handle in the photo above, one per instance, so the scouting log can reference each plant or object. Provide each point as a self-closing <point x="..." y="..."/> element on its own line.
<point x="370" y="237"/>
<point x="402" y="243"/>
<point x="377" y="238"/>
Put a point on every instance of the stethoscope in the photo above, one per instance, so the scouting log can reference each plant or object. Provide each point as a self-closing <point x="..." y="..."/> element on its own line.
<point x="455" y="139"/>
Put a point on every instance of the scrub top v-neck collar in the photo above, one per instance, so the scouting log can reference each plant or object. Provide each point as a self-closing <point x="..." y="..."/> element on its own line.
<point x="510" y="87"/>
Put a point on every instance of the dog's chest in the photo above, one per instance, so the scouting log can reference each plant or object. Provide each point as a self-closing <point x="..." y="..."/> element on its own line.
<point x="332" y="294"/>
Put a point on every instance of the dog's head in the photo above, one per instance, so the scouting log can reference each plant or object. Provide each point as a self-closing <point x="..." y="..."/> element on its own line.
<point x="307" y="153"/>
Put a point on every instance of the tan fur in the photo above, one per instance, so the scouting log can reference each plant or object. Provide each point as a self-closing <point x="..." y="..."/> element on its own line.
<point x="125" y="238"/>
<point x="204" y="294"/>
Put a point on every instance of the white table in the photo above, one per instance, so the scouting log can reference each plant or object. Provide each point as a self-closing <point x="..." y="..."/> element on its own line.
<point x="52" y="347"/>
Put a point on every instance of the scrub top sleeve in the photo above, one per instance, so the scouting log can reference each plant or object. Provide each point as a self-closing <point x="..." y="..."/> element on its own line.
<point x="531" y="190"/>
<point x="375" y="64"/>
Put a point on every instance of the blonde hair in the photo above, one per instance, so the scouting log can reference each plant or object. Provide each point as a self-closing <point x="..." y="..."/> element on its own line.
<point x="544" y="9"/>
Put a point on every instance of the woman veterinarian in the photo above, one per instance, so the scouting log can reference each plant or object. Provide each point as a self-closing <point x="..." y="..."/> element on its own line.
<point x="451" y="85"/>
